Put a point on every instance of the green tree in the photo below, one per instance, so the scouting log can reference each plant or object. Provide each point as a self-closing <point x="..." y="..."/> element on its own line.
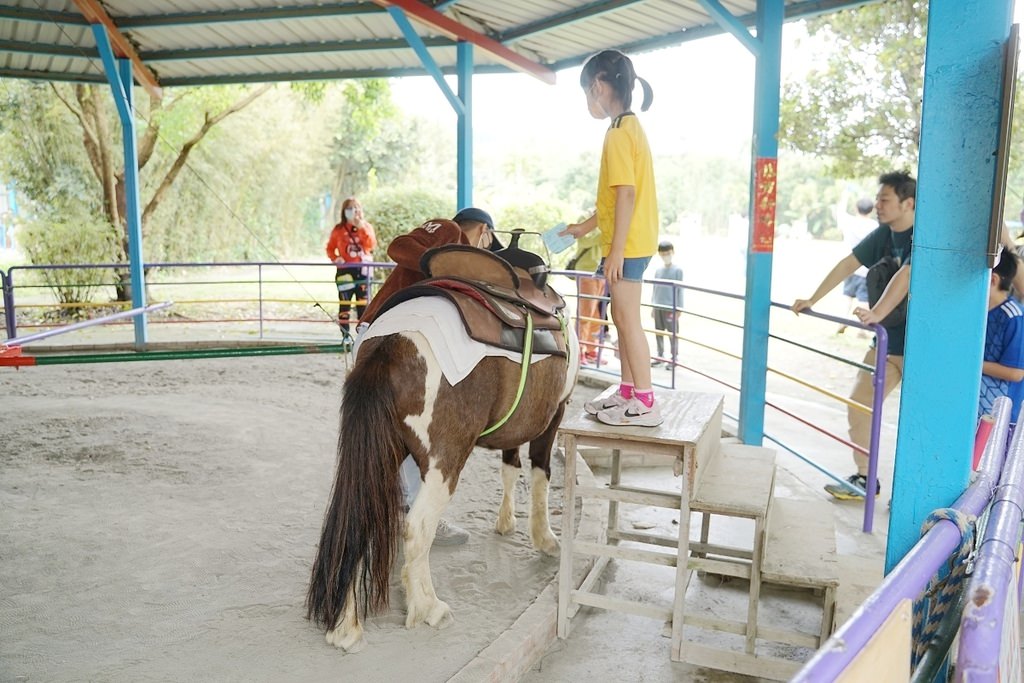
<point x="862" y="110"/>
<point x="394" y="212"/>
<point x="374" y="143"/>
<point x="246" y="194"/>
<point x="171" y="127"/>
<point x="75" y="236"/>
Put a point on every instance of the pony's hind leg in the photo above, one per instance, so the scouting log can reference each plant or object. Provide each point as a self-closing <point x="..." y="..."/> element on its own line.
<point x="421" y="525"/>
<point x="347" y="634"/>
<point x="540" y="476"/>
<point x="510" y="467"/>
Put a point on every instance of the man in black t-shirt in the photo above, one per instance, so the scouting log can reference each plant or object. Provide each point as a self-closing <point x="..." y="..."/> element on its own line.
<point x="894" y="204"/>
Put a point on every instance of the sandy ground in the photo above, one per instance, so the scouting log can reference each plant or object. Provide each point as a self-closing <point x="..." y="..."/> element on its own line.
<point x="158" y="521"/>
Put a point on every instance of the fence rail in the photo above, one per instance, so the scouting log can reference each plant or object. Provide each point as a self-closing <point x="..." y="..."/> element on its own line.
<point x="278" y="298"/>
<point x="930" y="556"/>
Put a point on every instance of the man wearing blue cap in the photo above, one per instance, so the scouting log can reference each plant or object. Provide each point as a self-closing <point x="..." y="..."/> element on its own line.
<point x="471" y="219"/>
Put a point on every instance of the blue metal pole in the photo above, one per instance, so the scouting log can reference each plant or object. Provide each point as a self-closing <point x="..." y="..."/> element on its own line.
<point x="132" y="202"/>
<point x="119" y="75"/>
<point x="420" y="48"/>
<point x="949" y="275"/>
<point x="8" y="295"/>
<point x="461" y="102"/>
<point x="757" y="304"/>
<point x="730" y="23"/>
<point x="464" y="67"/>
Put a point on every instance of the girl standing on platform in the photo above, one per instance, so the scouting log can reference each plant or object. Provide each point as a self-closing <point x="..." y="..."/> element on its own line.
<point x="627" y="217"/>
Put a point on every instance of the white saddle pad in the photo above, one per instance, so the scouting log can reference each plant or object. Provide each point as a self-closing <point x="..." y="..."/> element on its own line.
<point x="438" y="320"/>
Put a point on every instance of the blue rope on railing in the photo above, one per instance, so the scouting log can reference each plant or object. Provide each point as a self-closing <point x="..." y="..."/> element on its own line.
<point x="942" y="591"/>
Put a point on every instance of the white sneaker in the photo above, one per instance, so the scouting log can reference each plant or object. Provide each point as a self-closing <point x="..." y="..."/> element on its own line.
<point x="449" y="534"/>
<point x="614" y="400"/>
<point x="633" y="414"/>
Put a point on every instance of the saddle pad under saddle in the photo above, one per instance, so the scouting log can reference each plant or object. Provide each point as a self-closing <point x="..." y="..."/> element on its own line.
<point x="438" y="321"/>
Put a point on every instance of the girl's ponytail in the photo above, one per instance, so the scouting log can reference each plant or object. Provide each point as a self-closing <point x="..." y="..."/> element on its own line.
<point x="648" y="94"/>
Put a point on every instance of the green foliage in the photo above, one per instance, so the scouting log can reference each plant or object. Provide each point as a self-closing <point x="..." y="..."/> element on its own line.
<point x="710" y="187"/>
<point x="312" y="91"/>
<point x="863" y="108"/>
<point x="42" y="146"/>
<point x="578" y="184"/>
<point x="374" y="144"/>
<point x="394" y="212"/>
<point x="807" y="194"/>
<point x="1014" y="200"/>
<point x="246" y="194"/>
<point x="71" y="237"/>
<point x="537" y="215"/>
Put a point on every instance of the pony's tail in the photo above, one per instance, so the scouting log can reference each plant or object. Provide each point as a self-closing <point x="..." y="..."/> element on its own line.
<point x="362" y="524"/>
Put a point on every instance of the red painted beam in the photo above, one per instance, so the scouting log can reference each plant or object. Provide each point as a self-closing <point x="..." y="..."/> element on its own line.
<point x="95" y="14"/>
<point x="456" y="31"/>
<point x="10" y="356"/>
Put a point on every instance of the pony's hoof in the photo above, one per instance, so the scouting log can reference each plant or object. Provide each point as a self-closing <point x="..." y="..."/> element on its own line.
<point x="505" y="526"/>
<point x="350" y="642"/>
<point x="548" y="545"/>
<point x="440" y="616"/>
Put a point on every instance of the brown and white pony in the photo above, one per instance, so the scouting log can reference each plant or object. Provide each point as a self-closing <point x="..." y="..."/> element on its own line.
<point x="397" y="401"/>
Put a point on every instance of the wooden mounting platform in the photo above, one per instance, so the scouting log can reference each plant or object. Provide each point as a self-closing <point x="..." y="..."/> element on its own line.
<point x="800" y="551"/>
<point x="858" y="578"/>
<point x="690" y="435"/>
<point x="790" y="544"/>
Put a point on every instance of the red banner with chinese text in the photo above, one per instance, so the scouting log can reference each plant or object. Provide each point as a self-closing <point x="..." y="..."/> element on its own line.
<point x="766" y="169"/>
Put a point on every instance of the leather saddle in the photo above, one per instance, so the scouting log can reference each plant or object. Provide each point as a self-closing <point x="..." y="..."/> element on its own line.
<point x="493" y="297"/>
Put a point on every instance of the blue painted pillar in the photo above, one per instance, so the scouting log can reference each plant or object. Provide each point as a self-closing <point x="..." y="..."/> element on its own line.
<point x="119" y="75"/>
<point x="757" y="305"/>
<point x="949" y="273"/>
<point x="464" y="67"/>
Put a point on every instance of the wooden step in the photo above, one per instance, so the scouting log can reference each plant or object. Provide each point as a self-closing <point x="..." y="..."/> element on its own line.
<point x="800" y="544"/>
<point x="858" y="578"/>
<point x="738" y="482"/>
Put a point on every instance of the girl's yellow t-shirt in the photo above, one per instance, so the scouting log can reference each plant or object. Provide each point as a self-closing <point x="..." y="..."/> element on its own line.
<point x="626" y="160"/>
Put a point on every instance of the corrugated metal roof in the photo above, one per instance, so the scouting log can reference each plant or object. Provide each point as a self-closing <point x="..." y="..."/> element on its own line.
<point x="187" y="42"/>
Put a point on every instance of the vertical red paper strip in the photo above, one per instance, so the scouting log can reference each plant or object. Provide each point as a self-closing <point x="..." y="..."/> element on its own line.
<point x="764" y="205"/>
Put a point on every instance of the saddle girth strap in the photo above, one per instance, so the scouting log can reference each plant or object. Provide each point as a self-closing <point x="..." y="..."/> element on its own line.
<point x="527" y="354"/>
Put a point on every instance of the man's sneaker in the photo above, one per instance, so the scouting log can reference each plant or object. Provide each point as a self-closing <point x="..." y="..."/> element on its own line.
<point x="613" y="400"/>
<point x="449" y="534"/>
<point x="633" y="414"/>
<point x="843" y="492"/>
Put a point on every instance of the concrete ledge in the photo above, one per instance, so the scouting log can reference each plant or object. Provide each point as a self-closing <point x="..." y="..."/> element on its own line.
<point x="516" y="650"/>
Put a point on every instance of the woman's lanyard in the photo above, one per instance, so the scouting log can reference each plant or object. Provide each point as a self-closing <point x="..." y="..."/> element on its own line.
<point x="355" y="245"/>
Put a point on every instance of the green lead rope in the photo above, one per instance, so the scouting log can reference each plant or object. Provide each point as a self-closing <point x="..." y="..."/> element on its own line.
<point x="527" y="353"/>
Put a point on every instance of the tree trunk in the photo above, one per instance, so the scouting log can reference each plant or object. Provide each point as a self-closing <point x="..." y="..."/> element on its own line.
<point x="97" y="135"/>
